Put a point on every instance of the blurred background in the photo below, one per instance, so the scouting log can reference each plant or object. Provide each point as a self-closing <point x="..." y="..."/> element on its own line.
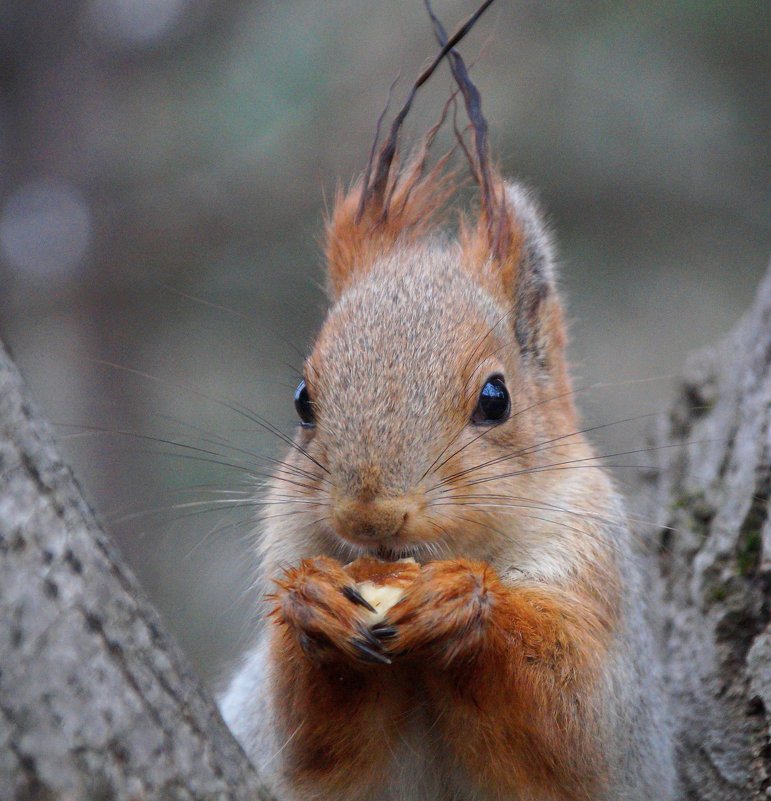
<point x="163" y="167"/>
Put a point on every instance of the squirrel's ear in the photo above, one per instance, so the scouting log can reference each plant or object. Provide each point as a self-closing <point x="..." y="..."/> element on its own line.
<point x="366" y="225"/>
<point x="510" y="251"/>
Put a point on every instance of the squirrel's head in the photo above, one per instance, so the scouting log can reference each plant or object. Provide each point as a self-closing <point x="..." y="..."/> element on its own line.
<point x="437" y="414"/>
<point x="437" y="385"/>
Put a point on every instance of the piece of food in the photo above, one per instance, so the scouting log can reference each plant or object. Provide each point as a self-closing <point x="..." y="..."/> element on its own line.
<point x="382" y="584"/>
<point x="381" y="596"/>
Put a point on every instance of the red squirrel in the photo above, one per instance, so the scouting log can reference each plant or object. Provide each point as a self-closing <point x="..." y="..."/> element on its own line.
<point x="437" y="422"/>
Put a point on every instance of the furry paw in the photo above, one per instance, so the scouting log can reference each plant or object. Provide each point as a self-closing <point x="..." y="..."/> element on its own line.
<point x="445" y="613"/>
<point x="320" y="604"/>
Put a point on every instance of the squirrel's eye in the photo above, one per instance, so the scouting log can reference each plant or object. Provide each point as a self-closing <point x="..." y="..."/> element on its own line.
<point x="304" y="405"/>
<point x="494" y="403"/>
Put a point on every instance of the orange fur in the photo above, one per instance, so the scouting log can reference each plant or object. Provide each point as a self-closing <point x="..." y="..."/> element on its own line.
<point x="399" y="574"/>
<point x="341" y="714"/>
<point x="491" y="248"/>
<point x="510" y="671"/>
<point x="410" y="207"/>
<point x="340" y="719"/>
<point x="444" y="428"/>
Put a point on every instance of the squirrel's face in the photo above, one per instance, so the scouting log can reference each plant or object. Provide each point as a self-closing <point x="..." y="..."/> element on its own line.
<point x="422" y="415"/>
<point x="409" y="367"/>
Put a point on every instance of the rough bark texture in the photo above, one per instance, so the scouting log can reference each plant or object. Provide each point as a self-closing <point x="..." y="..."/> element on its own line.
<point x="96" y="701"/>
<point x="715" y="561"/>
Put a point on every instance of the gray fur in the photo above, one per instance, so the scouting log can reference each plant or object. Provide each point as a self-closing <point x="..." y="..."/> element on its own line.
<point x="640" y="732"/>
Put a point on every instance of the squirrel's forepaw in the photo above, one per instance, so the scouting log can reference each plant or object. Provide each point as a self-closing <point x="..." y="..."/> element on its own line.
<point x="445" y="613"/>
<point x="320" y="605"/>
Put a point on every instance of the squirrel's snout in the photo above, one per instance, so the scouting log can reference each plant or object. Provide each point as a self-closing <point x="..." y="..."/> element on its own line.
<point x="365" y="522"/>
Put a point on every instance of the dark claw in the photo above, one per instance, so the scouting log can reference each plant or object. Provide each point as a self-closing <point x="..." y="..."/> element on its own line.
<point x="383" y="631"/>
<point x="352" y="594"/>
<point x="365" y="635"/>
<point x="369" y="654"/>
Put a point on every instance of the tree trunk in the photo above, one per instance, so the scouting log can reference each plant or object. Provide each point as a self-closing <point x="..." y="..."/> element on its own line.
<point x="96" y="701"/>
<point x="710" y="494"/>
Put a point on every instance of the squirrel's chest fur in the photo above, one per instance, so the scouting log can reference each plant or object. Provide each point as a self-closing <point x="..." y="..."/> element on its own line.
<point x="419" y="767"/>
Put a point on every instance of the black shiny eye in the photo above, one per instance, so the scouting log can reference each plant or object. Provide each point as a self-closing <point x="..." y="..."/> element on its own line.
<point x="494" y="403"/>
<point x="304" y="405"/>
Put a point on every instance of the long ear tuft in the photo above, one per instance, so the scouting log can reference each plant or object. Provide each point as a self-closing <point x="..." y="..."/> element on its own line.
<point x="412" y="203"/>
<point x="508" y="248"/>
<point x="389" y="204"/>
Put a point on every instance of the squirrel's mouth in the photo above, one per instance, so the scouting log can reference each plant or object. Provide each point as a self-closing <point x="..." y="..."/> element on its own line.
<point x="419" y="551"/>
<point x="388" y="529"/>
<point x="390" y="554"/>
<point x="386" y="554"/>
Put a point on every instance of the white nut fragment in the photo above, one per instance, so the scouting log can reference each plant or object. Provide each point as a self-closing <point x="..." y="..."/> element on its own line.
<point x="382" y="597"/>
<point x="383" y="594"/>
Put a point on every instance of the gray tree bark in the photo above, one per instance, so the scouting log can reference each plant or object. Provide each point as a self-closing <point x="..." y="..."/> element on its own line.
<point x="710" y="494"/>
<point x="96" y="702"/>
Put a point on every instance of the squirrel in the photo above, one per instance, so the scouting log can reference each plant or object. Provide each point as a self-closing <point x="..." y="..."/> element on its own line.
<point x="438" y="424"/>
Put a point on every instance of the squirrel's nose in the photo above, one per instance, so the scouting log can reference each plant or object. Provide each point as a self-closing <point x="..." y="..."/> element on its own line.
<point x="369" y="521"/>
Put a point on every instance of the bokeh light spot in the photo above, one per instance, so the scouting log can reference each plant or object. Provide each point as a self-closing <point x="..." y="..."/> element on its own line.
<point x="134" y="22"/>
<point x="45" y="230"/>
